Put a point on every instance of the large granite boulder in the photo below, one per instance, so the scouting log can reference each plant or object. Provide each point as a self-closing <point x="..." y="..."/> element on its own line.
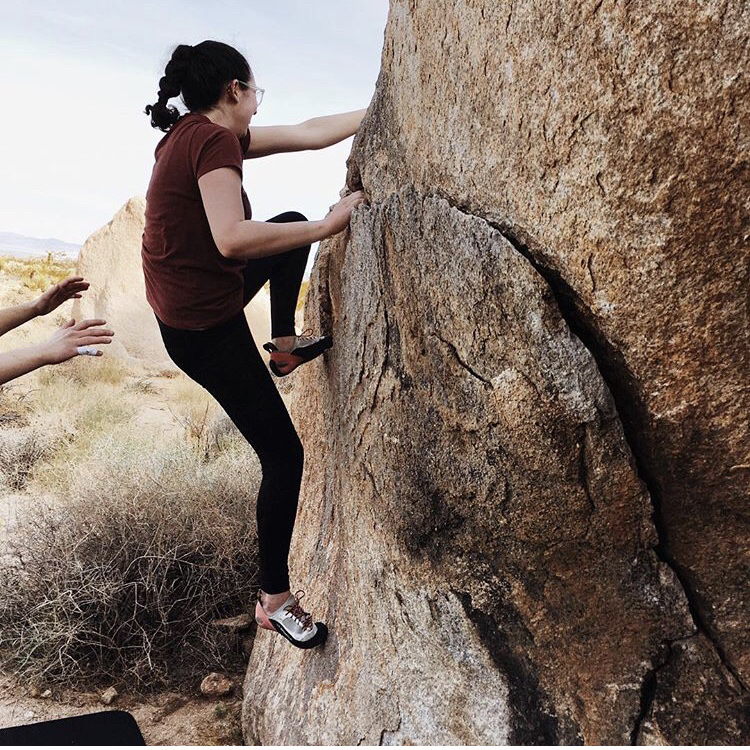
<point x="524" y="506"/>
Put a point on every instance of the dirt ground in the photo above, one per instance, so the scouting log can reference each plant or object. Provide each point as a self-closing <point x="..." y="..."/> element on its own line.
<point x="167" y="718"/>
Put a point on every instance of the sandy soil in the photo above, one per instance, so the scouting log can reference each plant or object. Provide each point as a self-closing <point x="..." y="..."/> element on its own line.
<point x="167" y="718"/>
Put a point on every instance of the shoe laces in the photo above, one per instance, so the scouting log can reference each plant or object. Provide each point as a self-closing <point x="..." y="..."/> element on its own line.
<point x="299" y="614"/>
<point x="303" y="339"/>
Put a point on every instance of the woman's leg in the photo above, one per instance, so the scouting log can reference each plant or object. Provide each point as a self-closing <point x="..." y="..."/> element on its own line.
<point x="226" y="362"/>
<point x="285" y="271"/>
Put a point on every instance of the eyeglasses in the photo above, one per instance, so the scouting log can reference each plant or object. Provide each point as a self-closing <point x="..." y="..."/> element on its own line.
<point x="258" y="92"/>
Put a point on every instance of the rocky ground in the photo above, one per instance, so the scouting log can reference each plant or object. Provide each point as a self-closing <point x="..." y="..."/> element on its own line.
<point x="165" y="718"/>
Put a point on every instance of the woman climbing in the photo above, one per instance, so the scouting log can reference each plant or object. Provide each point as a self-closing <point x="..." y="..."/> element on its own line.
<point x="204" y="259"/>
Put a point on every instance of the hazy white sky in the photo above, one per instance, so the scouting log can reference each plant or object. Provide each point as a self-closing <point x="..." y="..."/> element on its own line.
<point x="75" y="77"/>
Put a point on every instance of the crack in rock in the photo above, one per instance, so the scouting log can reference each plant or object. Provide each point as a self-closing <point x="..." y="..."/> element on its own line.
<point x="585" y="331"/>
<point x="460" y="361"/>
<point x="588" y="336"/>
<point x="648" y="687"/>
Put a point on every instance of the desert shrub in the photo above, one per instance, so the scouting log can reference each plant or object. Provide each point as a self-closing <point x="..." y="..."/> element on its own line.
<point x="14" y="409"/>
<point x="121" y="579"/>
<point x="24" y="444"/>
<point x="21" y="449"/>
<point x="39" y="274"/>
<point x="85" y="370"/>
<point x="143" y="386"/>
<point x="206" y="427"/>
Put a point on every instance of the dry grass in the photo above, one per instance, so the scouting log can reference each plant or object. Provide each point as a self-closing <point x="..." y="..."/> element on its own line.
<point x="130" y="535"/>
<point x="123" y="577"/>
<point x="82" y="371"/>
<point x="38" y="274"/>
<point x="69" y="418"/>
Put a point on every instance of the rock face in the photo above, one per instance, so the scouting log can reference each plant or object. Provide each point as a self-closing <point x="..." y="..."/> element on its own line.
<point x="523" y="511"/>
<point x="110" y="260"/>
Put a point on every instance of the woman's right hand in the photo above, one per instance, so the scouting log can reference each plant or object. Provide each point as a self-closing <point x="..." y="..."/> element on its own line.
<point x="64" y="343"/>
<point x="338" y="217"/>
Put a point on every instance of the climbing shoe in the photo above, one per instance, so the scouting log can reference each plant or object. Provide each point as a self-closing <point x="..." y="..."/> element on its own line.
<point x="291" y="621"/>
<point x="305" y="349"/>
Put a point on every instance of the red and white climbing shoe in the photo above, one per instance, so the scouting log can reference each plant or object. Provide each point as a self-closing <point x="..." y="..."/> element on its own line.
<point x="291" y="621"/>
<point x="305" y="348"/>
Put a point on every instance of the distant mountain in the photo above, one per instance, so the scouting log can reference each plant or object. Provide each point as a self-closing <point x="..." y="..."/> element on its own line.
<point x="23" y="247"/>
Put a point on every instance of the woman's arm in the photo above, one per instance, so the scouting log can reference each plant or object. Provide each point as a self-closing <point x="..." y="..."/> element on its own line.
<point x="18" y="362"/>
<point x="12" y="317"/>
<point x="240" y="238"/>
<point x="325" y="131"/>
<point x="61" y="346"/>
<point x="316" y="133"/>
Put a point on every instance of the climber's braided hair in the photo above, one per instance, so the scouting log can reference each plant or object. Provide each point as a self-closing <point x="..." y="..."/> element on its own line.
<point x="200" y="74"/>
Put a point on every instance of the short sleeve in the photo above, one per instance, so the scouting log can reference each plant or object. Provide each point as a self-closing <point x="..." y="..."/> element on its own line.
<point x="219" y="148"/>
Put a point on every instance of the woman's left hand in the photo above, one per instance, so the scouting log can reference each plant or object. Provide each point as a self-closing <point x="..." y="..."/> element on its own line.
<point x="66" y="289"/>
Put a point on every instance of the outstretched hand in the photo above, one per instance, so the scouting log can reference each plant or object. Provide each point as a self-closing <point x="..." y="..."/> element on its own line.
<point x="340" y="214"/>
<point x="64" y="343"/>
<point x="66" y="289"/>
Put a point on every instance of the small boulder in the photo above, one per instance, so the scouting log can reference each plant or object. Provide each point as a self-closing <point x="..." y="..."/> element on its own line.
<point x="109" y="695"/>
<point x="215" y="685"/>
<point x="235" y="624"/>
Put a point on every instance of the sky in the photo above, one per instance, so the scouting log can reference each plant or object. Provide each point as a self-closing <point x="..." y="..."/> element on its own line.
<point x="75" y="77"/>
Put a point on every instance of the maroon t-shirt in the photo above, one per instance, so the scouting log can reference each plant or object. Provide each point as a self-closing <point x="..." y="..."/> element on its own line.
<point x="189" y="283"/>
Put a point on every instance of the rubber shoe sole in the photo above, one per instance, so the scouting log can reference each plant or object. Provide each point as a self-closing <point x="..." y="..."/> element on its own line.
<point x="320" y="635"/>
<point x="283" y="363"/>
<point x="263" y="621"/>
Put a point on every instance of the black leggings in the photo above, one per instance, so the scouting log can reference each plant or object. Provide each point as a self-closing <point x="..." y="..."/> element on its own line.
<point x="225" y="361"/>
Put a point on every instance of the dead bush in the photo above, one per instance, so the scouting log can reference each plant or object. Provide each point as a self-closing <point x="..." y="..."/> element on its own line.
<point x="21" y="449"/>
<point x="39" y="274"/>
<point x="14" y="410"/>
<point x="143" y="385"/>
<point x="121" y="579"/>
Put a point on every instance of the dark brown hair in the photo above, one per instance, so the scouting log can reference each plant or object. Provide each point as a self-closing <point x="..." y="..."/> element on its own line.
<point x="199" y="73"/>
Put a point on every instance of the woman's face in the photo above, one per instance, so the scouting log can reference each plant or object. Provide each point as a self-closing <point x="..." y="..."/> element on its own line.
<point x="248" y="100"/>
